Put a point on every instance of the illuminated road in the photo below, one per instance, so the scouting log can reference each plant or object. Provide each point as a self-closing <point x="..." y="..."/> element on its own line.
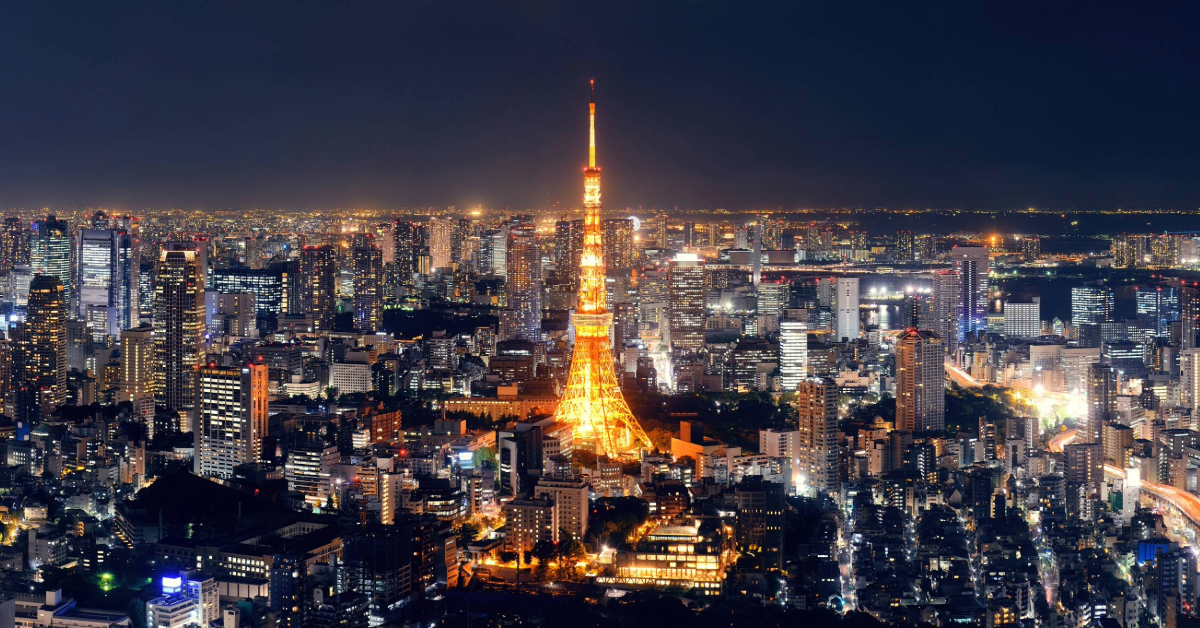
<point x="961" y="377"/>
<point x="1057" y="443"/>
<point x="1183" y="501"/>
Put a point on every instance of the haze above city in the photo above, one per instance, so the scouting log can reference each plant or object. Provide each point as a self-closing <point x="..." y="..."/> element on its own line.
<point x="706" y="105"/>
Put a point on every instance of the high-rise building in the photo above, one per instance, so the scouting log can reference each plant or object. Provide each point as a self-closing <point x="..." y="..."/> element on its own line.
<point x="319" y="272"/>
<point x="1189" y="379"/>
<point x="441" y="242"/>
<point x="1189" y="316"/>
<point x="39" y="363"/>
<point x="107" y="281"/>
<point x="14" y="244"/>
<point x="846" y="313"/>
<point x="138" y="364"/>
<point x="1102" y="402"/>
<point x="571" y="506"/>
<point x="592" y="403"/>
<point x="179" y="323"/>
<point x="817" y="422"/>
<point x="1158" y="305"/>
<point x="906" y="247"/>
<point x="568" y="246"/>
<point x="1091" y="305"/>
<point x="971" y="263"/>
<point x="944" y="307"/>
<point x="50" y="252"/>
<point x="231" y="417"/>
<point x="524" y="284"/>
<point x="686" y="304"/>
<point x="493" y="253"/>
<point x="1126" y="251"/>
<point x="368" y="283"/>
<point x="618" y="245"/>
<point x="309" y="471"/>
<point x="793" y="353"/>
<point x="920" y="381"/>
<point x="1031" y="248"/>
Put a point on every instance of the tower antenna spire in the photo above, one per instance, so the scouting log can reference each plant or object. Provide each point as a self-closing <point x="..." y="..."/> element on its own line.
<point x="592" y="133"/>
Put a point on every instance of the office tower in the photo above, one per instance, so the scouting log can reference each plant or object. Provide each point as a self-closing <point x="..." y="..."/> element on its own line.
<point x="971" y="264"/>
<point x="368" y="283"/>
<point x="773" y="298"/>
<point x="137" y="372"/>
<point x="945" y="310"/>
<point x="493" y="254"/>
<point x="39" y="365"/>
<point x="817" y="422"/>
<point x="179" y="322"/>
<point x="1189" y="379"/>
<point x="14" y="244"/>
<point x="441" y="242"/>
<point x="50" y="252"/>
<point x="319" y="272"/>
<point x="107" y="281"/>
<point x="568" y="246"/>
<point x="618" y="245"/>
<point x="1023" y="319"/>
<point x="571" y="506"/>
<point x="524" y="284"/>
<point x="846" y="312"/>
<point x="1101" y="400"/>
<point x="793" y="354"/>
<point x="686" y="305"/>
<point x="231" y="418"/>
<point x="1189" y="316"/>
<point x="920" y="381"/>
<point x="309" y="470"/>
<point x="1091" y="305"/>
<point x="1158" y="305"/>
<point x="592" y="403"/>
<point x="1031" y="248"/>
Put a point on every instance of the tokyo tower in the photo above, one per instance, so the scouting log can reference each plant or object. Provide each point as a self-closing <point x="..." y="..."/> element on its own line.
<point x="592" y="402"/>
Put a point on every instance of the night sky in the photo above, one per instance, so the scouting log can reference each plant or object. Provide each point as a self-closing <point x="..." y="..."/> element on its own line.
<point x="702" y="104"/>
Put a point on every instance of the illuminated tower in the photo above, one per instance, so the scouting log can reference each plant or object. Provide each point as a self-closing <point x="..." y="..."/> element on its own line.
<point x="592" y="402"/>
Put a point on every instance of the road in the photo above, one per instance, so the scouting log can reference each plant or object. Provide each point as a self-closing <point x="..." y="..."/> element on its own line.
<point x="1183" y="501"/>
<point x="961" y="377"/>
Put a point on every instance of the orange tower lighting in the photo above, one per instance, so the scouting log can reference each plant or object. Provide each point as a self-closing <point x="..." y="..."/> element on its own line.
<point x="593" y="403"/>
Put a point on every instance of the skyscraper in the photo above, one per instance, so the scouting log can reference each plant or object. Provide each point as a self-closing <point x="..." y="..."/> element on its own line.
<point x="14" y="244"/>
<point x="524" y="284"/>
<point x="846" y="318"/>
<point x="319" y="272"/>
<point x="920" y="381"/>
<point x="231" y="417"/>
<point x="1189" y="316"/>
<point x="685" y="306"/>
<point x="50" y="252"/>
<point x="618" y="245"/>
<point x="568" y="246"/>
<point x="138" y="373"/>
<point x="592" y="403"/>
<point x="971" y="263"/>
<point x="817" y="422"/>
<point x="793" y="353"/>
<point x="40" y="351"/>
<point x="108" y="281"/>
<point x="1091" y="304"/>
<point x="441" y="242"/>
<point x="1189" y="379"/>
<point x="1102" y="402"/>
<point x="944" y="308"/>
<point x="368" y="283"/>
<point x="178" y="327"/>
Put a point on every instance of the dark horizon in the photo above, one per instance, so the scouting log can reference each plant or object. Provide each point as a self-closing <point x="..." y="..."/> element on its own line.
<point x="699" y="104"/>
